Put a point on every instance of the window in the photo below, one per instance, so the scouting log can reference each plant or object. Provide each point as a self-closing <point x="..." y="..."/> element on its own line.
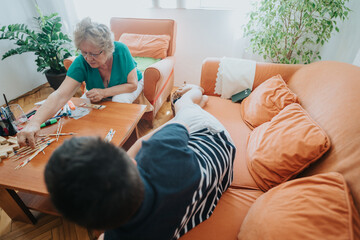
<point x="222" y="4"/>
<point x="203" y="4"/>
<point x="166" y="3"/>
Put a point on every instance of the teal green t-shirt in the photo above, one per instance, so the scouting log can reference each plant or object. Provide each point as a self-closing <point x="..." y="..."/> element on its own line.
<point x="123" y="64"/>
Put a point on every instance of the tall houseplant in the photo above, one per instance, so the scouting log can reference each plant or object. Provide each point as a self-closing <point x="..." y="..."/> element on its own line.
<point x="290" y="31"/>
<point x="48" y="43"/>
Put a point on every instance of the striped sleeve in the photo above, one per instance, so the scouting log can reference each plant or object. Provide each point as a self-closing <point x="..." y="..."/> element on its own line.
<point x="215" y="156"/>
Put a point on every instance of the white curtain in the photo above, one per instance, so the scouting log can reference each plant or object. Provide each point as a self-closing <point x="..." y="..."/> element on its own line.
<point x="357" y="59"/>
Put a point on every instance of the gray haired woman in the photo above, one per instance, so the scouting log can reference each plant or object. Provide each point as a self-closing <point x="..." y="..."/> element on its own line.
<point x="107" y="68"/>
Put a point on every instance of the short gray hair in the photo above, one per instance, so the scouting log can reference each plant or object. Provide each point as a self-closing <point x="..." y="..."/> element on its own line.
<point x="98" y="34"/>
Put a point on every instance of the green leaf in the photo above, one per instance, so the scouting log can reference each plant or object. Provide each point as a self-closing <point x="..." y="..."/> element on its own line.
<point x="276" y="29"/>
<point x="48" y="43"/>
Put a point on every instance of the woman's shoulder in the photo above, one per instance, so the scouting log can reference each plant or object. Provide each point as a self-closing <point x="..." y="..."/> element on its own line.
<point x="79" y="61"/>
<point x="120" y="45"/>
<point x="121" y="50"/>
<point x="80" y="58"/>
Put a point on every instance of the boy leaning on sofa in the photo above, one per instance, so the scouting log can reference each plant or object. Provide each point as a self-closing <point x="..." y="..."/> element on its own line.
<point x="180" y="172"/>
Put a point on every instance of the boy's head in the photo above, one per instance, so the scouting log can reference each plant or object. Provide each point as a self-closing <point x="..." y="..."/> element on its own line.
<point x="93" y="183"/>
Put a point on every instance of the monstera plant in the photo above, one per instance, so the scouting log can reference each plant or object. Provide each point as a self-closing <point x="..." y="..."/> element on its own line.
<point x="47" y="42"/>
<point x="291" y="31"/>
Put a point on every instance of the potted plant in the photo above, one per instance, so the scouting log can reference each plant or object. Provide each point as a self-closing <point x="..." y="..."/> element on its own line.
<point x="291" y="31"/>
<point x="48" y="43"/>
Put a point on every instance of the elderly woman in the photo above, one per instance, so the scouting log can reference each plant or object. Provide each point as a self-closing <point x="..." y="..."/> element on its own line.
<point x="107" y="68"/>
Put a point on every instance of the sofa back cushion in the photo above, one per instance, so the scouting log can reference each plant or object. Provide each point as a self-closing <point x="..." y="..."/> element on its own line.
<point x="168" y="27"/>
<point x="145" y="45"/>
<point x="316" y="207"/>
<point x="329" y="92"/>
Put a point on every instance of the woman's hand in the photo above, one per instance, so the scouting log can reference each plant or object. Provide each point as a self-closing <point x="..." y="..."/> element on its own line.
<point x="95" y="94"/>
<point x="53" y="103"/>
<point x="27" y="136"/>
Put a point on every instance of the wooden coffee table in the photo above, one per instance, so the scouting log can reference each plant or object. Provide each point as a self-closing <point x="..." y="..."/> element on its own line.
<point x="24" y="189"/>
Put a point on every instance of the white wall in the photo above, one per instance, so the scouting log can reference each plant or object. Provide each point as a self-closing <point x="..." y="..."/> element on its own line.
<point x="344" y="45"/>
<point x="217" y="33"/>
<point x="18" y="72"/>
<point x="201" y="34"/>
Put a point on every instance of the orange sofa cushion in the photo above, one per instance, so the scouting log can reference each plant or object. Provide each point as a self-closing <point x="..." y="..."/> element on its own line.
<point x="142" y="45"/>
<point x="316" y="207"/>
<point x="267" y="100"/>
<point x="280" y="149"/>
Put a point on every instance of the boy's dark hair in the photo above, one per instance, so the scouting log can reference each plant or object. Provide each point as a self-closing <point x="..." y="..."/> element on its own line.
<point x="93" y="183"/>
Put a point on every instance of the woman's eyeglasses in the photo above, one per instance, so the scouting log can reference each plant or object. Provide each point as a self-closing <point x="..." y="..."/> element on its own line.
<point x="94" y="55"/>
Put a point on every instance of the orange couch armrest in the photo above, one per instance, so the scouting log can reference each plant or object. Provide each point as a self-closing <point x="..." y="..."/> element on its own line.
<point x="156" y="77"/>
<point x="68" y="61"/>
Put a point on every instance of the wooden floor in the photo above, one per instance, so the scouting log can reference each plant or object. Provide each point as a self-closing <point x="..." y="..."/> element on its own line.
<point x="52" y="227"/>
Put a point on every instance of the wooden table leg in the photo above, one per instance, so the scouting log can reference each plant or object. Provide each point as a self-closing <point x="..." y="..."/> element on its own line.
<point x="14" y="207"/>
<point x="131" y="140"/>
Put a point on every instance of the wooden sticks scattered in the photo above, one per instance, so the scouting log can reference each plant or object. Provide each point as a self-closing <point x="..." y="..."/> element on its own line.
<point x="59" y="128"/>
<point x="29" y="151"/>
<point x="58" y="132"/>
<point x="10" y="149"/>
<point x="37" y="143"/>
<point x="39" y="149"/>
<point x="54" y="134"/>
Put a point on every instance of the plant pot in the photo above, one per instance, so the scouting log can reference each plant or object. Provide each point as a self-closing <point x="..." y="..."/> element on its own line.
<point x="55" y="79"/>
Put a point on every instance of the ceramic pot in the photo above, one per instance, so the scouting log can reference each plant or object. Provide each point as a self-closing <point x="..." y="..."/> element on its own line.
<point x="54" y="79"/>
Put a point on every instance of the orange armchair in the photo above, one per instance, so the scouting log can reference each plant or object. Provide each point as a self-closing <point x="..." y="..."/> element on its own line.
<point x="158" y="77"/>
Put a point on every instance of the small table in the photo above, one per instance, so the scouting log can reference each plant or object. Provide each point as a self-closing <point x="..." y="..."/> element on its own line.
<point x="24" y="189"/>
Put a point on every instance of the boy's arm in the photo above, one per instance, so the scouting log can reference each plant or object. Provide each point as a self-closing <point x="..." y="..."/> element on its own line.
<point x="134" y="149"/>
<point x="101" y="237"/>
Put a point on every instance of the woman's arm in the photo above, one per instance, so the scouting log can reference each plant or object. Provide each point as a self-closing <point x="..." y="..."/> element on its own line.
<point x="53" y="103"/>
<point x="97" y="94"/>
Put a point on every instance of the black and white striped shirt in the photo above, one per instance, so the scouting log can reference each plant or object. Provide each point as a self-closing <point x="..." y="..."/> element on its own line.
<point x="215" y="157"/>
<point x="184" y="176"/>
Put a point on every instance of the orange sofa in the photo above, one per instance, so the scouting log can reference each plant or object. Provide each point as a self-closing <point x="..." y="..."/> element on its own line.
<point x="329" y="92"/>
